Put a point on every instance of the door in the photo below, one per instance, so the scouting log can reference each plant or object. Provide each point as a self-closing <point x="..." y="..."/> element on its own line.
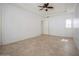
<point x="45" y="27"/>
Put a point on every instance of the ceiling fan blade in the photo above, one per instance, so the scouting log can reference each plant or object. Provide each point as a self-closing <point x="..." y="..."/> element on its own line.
<point x="46" y="4"/>
<point x="49" y="7"/>
<point x="41" y="9"/>
<point x="40" y="6"/>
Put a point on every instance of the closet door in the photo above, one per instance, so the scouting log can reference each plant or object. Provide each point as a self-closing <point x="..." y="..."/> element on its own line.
<point x="45" y="27"/>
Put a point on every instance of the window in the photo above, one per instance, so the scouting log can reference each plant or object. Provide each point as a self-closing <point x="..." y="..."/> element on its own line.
<point x="68" y="23"/>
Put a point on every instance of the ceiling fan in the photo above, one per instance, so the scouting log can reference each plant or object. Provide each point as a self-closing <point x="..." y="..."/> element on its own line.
<point x="46" y="7"/>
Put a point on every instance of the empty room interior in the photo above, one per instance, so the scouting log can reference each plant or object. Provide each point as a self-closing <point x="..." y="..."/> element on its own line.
<point x="39" y="29"/>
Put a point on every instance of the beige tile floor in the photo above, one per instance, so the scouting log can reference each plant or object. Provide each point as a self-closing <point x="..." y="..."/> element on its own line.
<point x="41" y="46"/>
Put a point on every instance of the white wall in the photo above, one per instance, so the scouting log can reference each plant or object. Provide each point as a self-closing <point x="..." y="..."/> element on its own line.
<point x="76" y="26"/>
<point x="0" y="24"/>
<point x="57" y="25"/>
<point x="19" y="24"/>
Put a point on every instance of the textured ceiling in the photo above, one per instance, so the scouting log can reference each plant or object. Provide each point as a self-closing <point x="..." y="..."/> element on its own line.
<point x="58" y="8"/>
